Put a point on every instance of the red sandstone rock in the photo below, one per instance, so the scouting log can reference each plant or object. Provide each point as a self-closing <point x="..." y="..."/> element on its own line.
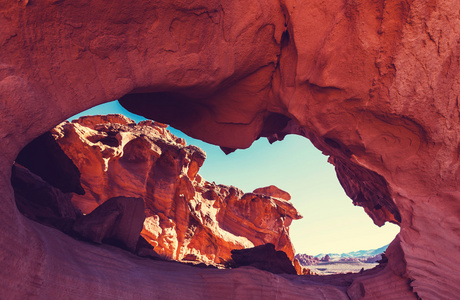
<point x="273" y="191"/>
<point x="144" y="249"/>
<point x="301" y="270"/>
<point x="307" y="260"/>
<point x="263" y="257"/>
<point x="117" y="221"/>
<point x="373" y="84"/>
<point x="42" y="202"/>
<point x="45" y="158"/>
<point x="187" y="218"/>
<point x="376" y="285"/>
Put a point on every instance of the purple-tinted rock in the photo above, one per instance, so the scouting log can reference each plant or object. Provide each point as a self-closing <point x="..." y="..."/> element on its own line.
<point x="118" y="221"/>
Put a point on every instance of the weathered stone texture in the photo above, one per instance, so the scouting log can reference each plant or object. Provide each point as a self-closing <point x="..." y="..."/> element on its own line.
<point x="187" y="218"/>
<point x="373" y="84"/>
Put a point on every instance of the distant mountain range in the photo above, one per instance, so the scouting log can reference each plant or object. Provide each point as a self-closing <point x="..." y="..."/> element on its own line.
<point x="355" y="254"/>
<point x="366" y="256"/>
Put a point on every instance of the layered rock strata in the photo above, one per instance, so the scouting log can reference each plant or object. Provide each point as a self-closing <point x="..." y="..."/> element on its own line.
<point x="187" y="217"/>
<point x="373" y="84"/>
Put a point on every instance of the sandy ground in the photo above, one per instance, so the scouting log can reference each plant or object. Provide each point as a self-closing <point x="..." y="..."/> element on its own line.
<point x="327" y="268"/>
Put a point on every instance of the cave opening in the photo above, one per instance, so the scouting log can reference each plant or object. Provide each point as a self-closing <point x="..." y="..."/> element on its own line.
<point x="331" y="228"/>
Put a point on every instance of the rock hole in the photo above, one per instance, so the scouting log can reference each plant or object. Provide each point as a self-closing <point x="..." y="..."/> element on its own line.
<point x="63" y="201"/>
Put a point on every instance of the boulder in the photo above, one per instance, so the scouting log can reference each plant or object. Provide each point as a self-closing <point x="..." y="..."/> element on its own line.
<point x="307" y="260"/>
<point x="42" y="202"/>
<point x="273" y="191"/>
<point x="263" y="257"/>
<point x="117" y="221"/>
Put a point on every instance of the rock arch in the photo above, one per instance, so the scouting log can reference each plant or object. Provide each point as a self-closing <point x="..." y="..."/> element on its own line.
<point x="372" y="84"/>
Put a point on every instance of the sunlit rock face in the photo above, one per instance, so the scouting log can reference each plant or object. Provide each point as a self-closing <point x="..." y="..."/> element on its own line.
<point x="373" y="84"/>
<point x="187" y="217"/>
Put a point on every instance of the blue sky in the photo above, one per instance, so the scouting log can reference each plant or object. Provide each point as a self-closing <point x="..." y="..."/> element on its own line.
<point x="330" y="224"/>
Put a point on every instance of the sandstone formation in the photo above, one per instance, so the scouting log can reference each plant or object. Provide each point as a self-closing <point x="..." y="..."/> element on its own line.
<point x="301" y="270"/>
<point x="45" y="158"/>
<point x="326" y="258"/>
<point x="264" y="257"/>
<point x="373" y="84"/>
<point x="307" y="260"/>
<point x="187" y="218"/>
<point x="117" y="221"/>
<point x="40" y="201"/>
<point x="273" y="191"/>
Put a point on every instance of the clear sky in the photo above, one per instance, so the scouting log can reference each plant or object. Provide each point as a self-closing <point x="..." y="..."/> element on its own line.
<point x="330" y="224"/>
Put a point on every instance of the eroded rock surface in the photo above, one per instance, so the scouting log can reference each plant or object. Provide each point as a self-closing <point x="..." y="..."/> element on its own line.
<point x="264" y="257"/>
<point x="40" y="201"/>
<point x="273" y="191"/>
<point x="373" y="84"/>
<point x="45" y="158"/>
<point x="187" y="217"/>
<point x="117" y="221"/>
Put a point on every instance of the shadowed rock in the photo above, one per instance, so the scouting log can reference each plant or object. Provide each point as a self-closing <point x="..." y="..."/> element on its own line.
<point x="187" y="217"/>
<point x="117" y="221"/>
<point x="263" y="257"/>
<point x="42" y="202"/>
<point x="45" y="158"/>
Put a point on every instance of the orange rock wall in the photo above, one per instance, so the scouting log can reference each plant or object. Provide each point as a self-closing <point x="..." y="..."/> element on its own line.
<point x="187" y="218"/>
<point x="373" y="84"/>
